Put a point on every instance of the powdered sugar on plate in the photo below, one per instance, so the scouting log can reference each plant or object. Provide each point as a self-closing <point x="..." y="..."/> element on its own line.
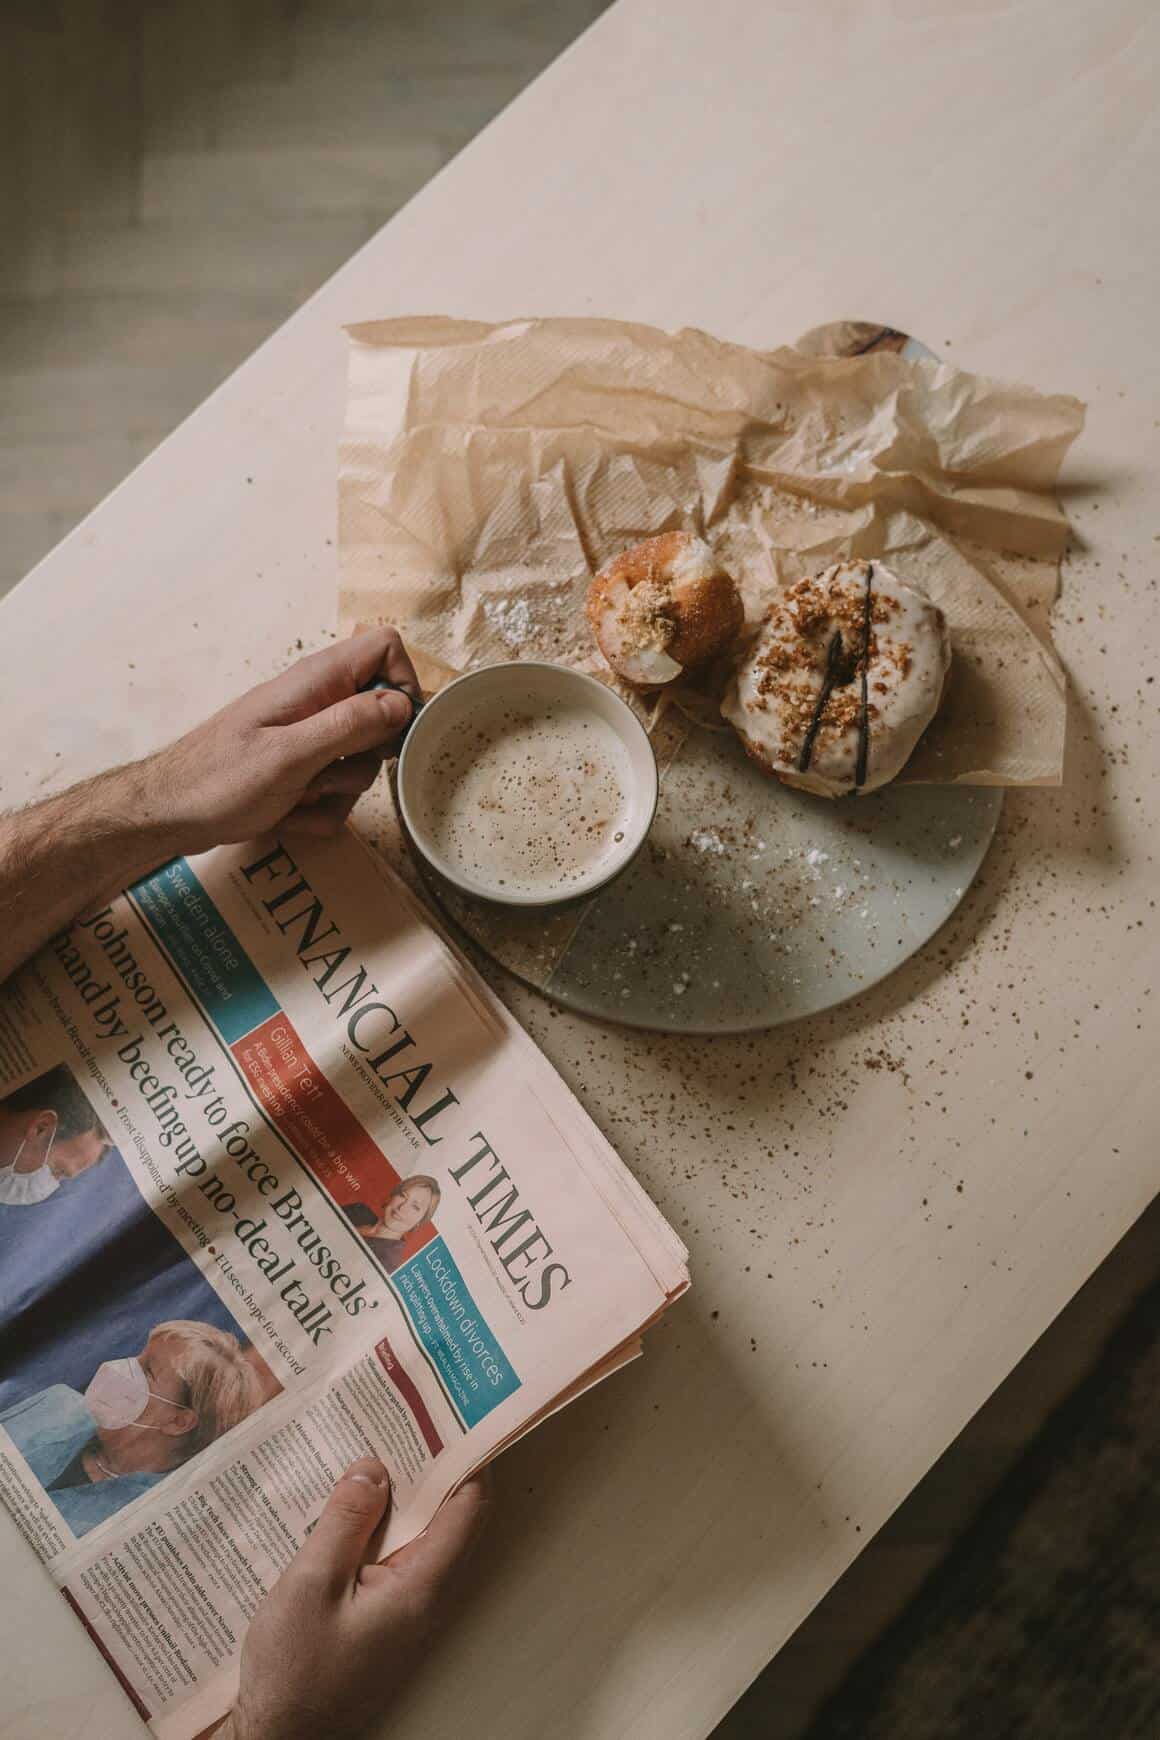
<point x="707" y="840"/>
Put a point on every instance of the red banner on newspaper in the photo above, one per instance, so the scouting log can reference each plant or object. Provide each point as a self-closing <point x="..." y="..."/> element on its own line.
<point x="304" y="1107"/>
<point x="410" y="1394"/>
<point x="123" y="1681"/>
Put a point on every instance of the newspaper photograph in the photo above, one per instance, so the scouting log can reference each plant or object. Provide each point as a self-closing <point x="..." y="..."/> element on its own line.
<point x="281" y="1184"/>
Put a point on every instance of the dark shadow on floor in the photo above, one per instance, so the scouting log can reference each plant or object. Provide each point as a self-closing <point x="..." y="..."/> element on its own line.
<point x="1020" y="1561"/>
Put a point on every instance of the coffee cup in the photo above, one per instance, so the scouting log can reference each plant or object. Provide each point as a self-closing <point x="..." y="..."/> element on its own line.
<point x="527" y="784"/>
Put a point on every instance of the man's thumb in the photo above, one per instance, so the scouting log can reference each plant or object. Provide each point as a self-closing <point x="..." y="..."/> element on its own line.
<point x="428" y="1562"/>
<point x="337" y="1546"/>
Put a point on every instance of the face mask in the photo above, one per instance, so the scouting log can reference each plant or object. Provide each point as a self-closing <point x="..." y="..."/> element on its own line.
<point x="24" y="1189"/>
<point x="118" y="1394"/>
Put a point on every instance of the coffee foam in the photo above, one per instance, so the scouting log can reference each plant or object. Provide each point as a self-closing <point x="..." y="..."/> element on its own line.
<point x="530" y="798"/>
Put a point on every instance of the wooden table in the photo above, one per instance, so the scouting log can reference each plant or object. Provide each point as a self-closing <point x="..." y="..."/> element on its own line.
<point x="885" y="1206"/>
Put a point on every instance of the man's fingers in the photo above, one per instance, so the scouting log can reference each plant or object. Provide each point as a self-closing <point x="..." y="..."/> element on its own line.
<point x="425" y="1564"/>
<point x="332" y="794"/>
<point x="395" y="664"/>
<point x="338" y="1542"/>
<point x="350" y="726"/>
<point x="322" y="678"/>
<point x="349" y="778"/>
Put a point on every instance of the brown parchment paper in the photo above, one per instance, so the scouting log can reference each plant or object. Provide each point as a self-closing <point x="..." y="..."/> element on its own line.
<point x="486" y="472"/>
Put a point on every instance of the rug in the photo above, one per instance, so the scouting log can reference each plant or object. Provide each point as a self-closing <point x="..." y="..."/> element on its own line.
<point x="1043" y="1623"/>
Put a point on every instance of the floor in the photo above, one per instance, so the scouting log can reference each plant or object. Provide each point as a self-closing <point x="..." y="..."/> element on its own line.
<point x="175" y="180"/>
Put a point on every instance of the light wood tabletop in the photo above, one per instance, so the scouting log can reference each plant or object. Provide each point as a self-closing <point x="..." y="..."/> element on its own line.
<point x="886" y="1205"/>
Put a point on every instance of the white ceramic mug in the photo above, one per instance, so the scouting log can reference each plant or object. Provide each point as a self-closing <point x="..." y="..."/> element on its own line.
<point x="461" y="705"/>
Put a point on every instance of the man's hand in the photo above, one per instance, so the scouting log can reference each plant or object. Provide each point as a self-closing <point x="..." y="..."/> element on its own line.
<point x="338" y="1635"/>
<point x="299" y="750"/>
<point x="296" y="751"/>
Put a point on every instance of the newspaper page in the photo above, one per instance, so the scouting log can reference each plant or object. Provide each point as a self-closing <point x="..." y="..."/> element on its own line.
<point x="281" y="1184"/>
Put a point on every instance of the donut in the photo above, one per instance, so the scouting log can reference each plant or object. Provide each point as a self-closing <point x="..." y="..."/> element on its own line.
<point x="663" y="607"/>
<point x="846" y="674"/>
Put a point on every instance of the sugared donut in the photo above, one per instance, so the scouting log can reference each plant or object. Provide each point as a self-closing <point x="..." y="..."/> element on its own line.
<point x="662" y="608"/>
<point x="844" y="678"/>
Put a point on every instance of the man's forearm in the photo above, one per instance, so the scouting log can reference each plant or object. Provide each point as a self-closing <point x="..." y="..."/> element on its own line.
<point x="296" y="751"/>
<point x="63" y="856"/>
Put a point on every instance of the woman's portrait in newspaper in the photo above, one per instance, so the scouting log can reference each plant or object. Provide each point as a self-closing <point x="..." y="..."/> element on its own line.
<point x="139" y="1417"/>
<point x="390" y="1231"/>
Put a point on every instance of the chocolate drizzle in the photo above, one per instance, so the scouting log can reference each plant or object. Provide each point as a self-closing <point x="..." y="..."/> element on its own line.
<point x="842" y="666"/>
<point x="864" y="712"/>
<point x="835" y="660"/>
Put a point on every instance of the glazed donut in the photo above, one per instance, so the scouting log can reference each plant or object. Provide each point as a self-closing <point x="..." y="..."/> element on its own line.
<point x="847" y="673"/>
<point x="662" y="608"/>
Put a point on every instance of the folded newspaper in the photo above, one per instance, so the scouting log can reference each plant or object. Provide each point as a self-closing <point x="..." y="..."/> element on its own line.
<point x="281" y="1184"/>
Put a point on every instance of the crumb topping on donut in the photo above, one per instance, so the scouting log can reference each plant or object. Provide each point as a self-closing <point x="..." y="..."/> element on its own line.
<point x="814" y="617"/>
<point x="663" y="607"/>
<point x="647" y="614"/>
<point x="845" y="665"/>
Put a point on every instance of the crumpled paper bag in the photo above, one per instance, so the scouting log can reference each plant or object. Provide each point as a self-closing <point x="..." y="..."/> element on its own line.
<point x="487" y="472"/>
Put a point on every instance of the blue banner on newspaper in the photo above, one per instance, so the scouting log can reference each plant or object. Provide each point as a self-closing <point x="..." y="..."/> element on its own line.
<point x="475" y="1370"/>
<point x="204" y="950"/>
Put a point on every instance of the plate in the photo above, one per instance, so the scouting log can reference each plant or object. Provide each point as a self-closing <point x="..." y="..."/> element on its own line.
<point x="750" y="904"/>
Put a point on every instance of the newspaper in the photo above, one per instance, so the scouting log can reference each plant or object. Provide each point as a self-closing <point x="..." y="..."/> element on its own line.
<point x="303" y="1191"/>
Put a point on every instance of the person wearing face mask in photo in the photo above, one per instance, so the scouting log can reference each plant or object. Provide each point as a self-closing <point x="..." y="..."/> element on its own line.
<point x="48" y="1133"/>
<point x="410" y="1204"/>
<point x="138" y="1419"/>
